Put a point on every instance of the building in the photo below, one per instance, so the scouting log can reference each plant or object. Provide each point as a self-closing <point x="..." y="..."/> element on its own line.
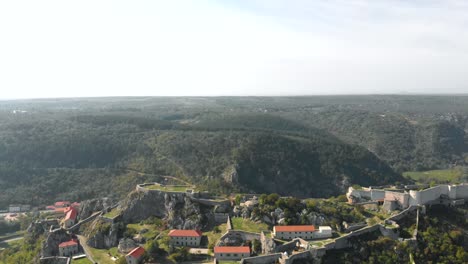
<point x="68" y="248"/>
<point x="62" y="204"/>
<point x="293" y="231"/>
<point x="16" y="208"/>
<point x="302" y="231"/>
<point x="231" y="253"/>
<point x="135" y="256"/>
<point x="323" y="232"/>
<point x="190" y="238"/>
<point x="70" y="217"/>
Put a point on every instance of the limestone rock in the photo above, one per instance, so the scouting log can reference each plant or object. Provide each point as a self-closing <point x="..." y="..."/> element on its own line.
<point x="126" y="245"/>
<point x="51" y="243"/>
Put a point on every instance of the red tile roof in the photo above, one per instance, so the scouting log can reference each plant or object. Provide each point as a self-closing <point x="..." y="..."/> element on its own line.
<point x="137" y="252"/>
<point x="232" y="250"/>
<point x="68" y="244"/>
<point x="185" y="233"/>
<point x="62" y="203"/>
<point x="71" y="214"/>
<point x="295" y="228"/>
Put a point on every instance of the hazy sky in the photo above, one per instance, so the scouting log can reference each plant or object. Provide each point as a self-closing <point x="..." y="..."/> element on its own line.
<point x="239" y="47"/>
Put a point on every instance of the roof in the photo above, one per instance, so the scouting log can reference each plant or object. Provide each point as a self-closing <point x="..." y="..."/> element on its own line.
<point x="136" y="252"/>
<point x="185" y="233"/>
<point x="71" y="214"/>
<point x="295" y="228"/>
<point x="68" y="244"/>
<point x="325" y="228"/>
<point x="232" y="250"/>
<point x="62" y="203"/>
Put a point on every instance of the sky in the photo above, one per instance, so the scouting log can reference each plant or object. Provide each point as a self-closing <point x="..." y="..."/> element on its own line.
<point x="239" y="47"/>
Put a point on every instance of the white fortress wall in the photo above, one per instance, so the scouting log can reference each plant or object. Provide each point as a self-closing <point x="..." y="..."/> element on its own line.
<point x="428" y="195"/>
<point x="401" y="198"/>
<point x="377" y="194"/>
<point x="458" y="191"/>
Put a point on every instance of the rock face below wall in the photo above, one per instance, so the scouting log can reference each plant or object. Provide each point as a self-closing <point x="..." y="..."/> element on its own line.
<point x="177" y="208"/>
<point x="102" y="234"/>
<point x="88" y="207"/>
<point x="51" y="243"/>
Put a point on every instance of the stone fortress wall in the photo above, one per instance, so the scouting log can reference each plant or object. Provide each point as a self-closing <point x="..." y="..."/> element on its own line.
<point x="405" y="199"/>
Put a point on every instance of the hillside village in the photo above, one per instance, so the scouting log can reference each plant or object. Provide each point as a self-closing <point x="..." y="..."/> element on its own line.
<point x="175" y="223"/>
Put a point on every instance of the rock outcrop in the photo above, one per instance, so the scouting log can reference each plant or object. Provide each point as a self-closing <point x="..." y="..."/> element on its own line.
<point x="51" y="243"/>
<point x="126" y="245"/>
<point x="102" y="234"/>
<point x="176" y="208"/>
<point x="88" y="207"/>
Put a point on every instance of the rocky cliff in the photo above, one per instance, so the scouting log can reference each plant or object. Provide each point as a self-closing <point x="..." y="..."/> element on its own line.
<point x="176" y="208"/>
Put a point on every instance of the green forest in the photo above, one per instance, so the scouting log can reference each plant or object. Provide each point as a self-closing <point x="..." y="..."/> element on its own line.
<point x="79" y="149"/>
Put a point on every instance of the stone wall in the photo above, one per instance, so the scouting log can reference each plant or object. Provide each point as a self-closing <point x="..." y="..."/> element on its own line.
<point x="55" y="260"/>
<point x="292" y="258"/>
<point x="266" y="259"/>
<point x="402" y="199"/>
<point x="237" y="237"/>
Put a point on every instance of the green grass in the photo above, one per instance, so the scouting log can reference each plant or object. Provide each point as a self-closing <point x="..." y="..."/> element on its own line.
<point x="228" y="262"/>
<point x="113" y="213"/>
<point x="102" y="256"/>
<point x="82" y="261"/>
<point x="152" y="230"/>
<point x="213" y="237"/>
<point x="248" y="225"/>
<point x="169" y="188"/>
<point x="436" y="176"/>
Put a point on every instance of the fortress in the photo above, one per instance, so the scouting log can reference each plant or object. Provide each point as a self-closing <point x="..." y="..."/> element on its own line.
<point x="401" y="198"/>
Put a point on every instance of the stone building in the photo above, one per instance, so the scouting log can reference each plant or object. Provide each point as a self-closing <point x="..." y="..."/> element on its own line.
<point x="190" y="238"/>
<point x="231" y="253"/>
<point x="68" y="248"/>
<point x="135" y="256"/>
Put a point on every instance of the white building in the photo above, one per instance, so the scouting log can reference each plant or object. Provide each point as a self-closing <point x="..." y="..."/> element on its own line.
<point x="231" y="253"/>
<point x="306" y="232"/>
<point x="68" y="248"/>
<point x="293" y="231"/>
<point x="179" y="238"/>
<point x="135" y="256"/>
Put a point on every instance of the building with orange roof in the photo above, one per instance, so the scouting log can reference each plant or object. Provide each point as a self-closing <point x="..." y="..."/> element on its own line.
<point x="135" y="256"/>
<point x="185" y="237"/>
<point x="68" y="248"/>
<point x="301" y="231"/>
<point x="231" y="253"/>
<point x="70" y="217"/>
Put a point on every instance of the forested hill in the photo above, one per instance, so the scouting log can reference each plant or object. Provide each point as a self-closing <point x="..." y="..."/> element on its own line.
<point x="66" y="153"/>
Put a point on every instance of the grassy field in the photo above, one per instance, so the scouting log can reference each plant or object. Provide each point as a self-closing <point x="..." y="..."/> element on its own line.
<point x="102" y="255"/>
<point x="248" y="225"/>
<point x="82" y="261"/>
<point x="436" y="176"/>
<point x="113" y="213"/>
<point x="169" y="188"/>
<point x="213" y="237"/>
<point x="152" y="230"/>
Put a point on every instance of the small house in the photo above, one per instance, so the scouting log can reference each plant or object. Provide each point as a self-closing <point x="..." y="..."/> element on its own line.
<point x="68" y="248"/>
<point x="135" y="256"/>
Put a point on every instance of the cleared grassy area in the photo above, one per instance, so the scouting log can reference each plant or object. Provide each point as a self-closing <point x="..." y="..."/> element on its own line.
<point x="228" y="262"/>
<point x="169" y="188"/>
<point x="437" y="176"/>
<point x="113" y="213"/>
<point x="248" y="225"/>
<point x="213" y="236"/>
<point x="152" y="230"/>
<point x="102" y="255"/>
<point x="81" y="261"/>
<point x="321" y="243"/>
